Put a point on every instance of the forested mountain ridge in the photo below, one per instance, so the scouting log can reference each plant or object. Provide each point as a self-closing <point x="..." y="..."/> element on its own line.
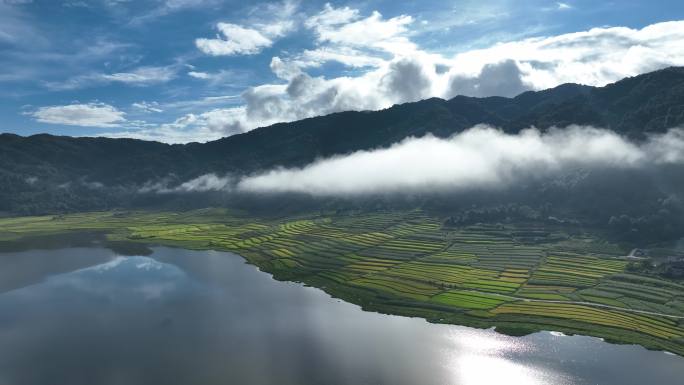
<point x="46" y="173"/>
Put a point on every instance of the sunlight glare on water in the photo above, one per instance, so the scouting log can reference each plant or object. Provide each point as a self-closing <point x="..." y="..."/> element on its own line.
<point x="181" y="317"/>
<point x="480" y="358"/>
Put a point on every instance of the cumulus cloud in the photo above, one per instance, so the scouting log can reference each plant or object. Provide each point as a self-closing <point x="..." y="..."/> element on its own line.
<point x="347" y="56"/>
<point x="303" y="96"/>
<point x="345" y="27"/>
<point x="479" y="158"/>
<point x="343" y="35"/>
<point x="86" y="115"/>
<point x="383" y="66"/>
<point x="500" y="79"/>
<point x="331" y="16"/>
<point x="409" y="79"/>
<point x="595" y="57"/>
<point x="236" y="39"/>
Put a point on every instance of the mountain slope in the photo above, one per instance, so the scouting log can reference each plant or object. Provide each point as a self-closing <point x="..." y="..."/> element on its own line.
<point x="47" y="173"/>
<point x="635" y="106"/>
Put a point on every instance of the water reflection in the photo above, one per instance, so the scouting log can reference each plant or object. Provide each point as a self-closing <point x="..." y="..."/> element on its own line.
<point x="482" y="358"/>
<point x="186" y="317"/>
<point x="20" y="269"/>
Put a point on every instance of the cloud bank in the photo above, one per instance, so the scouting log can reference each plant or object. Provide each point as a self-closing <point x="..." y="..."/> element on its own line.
<point x="314" y="59"/>
<point x="479" y="158"/>
<point x="386" y="67"/>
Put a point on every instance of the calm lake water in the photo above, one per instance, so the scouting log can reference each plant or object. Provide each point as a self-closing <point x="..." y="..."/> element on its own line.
<point x="88" y="316"/>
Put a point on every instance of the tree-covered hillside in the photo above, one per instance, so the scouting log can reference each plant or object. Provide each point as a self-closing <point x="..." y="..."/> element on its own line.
<point x="47" y="174"/>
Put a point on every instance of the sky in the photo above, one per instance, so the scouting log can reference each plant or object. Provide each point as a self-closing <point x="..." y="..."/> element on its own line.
<point x="179" y="71"/>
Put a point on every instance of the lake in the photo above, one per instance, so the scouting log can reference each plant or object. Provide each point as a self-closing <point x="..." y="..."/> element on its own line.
<point x="88" y="316"/>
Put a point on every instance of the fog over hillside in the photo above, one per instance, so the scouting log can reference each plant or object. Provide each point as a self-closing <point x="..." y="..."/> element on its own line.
<point x="480" y="157"/>
<point x="609" y="157"/>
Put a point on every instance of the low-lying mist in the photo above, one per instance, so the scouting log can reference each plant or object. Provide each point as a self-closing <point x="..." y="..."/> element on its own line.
<point x="578" y="175"/>
<point x="479" y="158"/>
<point x="203" y="183"/>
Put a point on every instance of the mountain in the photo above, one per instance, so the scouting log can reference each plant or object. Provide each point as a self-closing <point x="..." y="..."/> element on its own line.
<point x="46" y="173"/>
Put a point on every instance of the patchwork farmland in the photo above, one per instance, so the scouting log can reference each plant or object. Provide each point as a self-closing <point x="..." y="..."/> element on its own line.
<point x="520" y="278"/>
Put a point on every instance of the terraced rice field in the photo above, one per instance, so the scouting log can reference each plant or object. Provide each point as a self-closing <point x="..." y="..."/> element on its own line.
<point x="527" y="275"/>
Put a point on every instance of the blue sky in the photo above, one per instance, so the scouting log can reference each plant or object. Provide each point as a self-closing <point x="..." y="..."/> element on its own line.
<point x="197" y="70"/>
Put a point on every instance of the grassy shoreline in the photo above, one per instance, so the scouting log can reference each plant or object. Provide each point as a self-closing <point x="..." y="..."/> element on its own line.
<point x="518" y="278"/>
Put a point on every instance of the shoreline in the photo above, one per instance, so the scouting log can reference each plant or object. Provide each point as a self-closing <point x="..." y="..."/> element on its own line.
<point x="376" y="300"/>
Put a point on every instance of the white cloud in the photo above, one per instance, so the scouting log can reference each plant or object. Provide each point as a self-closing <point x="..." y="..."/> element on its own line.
<point x="147" y="107"/>
<point x="276" y="21"/>
<point x="142" y="75"/>
<point x="563" y="6"/>
<point x="344" y="28"/>
<point x="343" y="35"/>
<point x="277" y="28"/>
<point x="500" y="79"/>
<point x="469" y="13"/>
<point x="199" y="75"/>
<point x="206" y="102"/>
<point x="210" y="125"/>
<point x="208" y="182"/>
<point x="372" y="32"/>
<point x="346" y="55"/>
<point x="478" y="158"/>
<point x="389" y="68"/>
<point x="86" y="115"/>
<point x="203" y="183"/>
<point x="595" y="57"/>
<point x="236" y="40"/>
<point x="668" y="148"/>
<point x="331" y="16"/>
<point x="222" y="78"/>
<point x="409" y="79"/>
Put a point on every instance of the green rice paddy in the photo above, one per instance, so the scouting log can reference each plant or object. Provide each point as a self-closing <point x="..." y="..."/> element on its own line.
<point x="523" y="277"/>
